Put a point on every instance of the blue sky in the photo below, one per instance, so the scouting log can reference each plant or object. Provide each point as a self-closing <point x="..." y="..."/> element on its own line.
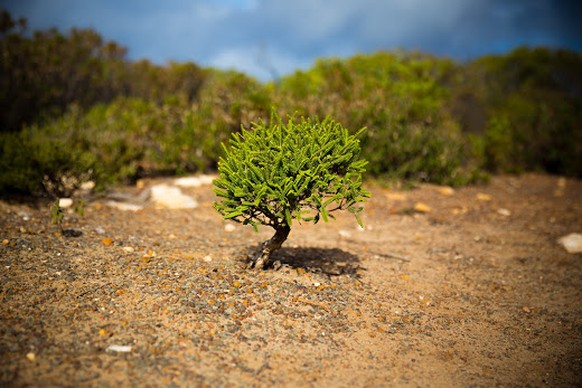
<point x="266" y="37"/>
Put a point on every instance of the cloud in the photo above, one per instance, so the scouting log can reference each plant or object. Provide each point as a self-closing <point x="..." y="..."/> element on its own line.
<point x="257" y="36"/>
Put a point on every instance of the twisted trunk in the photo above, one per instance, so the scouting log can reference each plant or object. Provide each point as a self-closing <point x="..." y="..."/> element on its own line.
<point x="263" y="256"/>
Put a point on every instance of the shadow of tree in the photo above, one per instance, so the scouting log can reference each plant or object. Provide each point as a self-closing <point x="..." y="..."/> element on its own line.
<point x="330" y="261"/>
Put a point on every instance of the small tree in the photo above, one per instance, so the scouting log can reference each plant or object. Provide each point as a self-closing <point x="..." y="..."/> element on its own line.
<point x="275" y="173"/>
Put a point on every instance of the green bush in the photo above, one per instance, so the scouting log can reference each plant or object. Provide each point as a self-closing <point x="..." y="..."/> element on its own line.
<point x="275" y="173"/>
<point x="402" y="99"/>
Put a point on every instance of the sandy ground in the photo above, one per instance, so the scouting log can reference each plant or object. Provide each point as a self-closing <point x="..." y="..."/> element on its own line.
<point x="443" y="288"/>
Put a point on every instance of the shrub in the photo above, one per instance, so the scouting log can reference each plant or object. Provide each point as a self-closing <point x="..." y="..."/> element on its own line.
<point x="275" y="173"/>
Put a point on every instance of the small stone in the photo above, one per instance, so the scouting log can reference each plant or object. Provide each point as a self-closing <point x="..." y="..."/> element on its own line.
<point x="107" y="241"/>
<point x="168" y="197"/>
<point x="65" y="203"/>
<point x="483" y="197"/>
<point x="504" y="212"/>
<point x="194" y="181"/>
<point x="395" y="196"/>
<point x="119" y="348"/>
<point x="88" y="186"/>
<point x="207" y="258"/>
<point x="128" y="249"/>
<point x="446" y="190"/>
<point x="31" y="356"/>
<point x="422" y="208"/>
<point x="100" y="230"/>
<point x="229" y="228"/>
<point x="572" y="242"/>
<point x="5" y="242"/>
<point x="124" y="206"/>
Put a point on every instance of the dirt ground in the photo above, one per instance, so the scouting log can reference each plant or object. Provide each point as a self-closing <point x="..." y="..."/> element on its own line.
<point x="443" y="288"/>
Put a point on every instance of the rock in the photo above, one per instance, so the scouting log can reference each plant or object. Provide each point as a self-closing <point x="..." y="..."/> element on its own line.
<point x="572" y="242"/>
<point x="484" y="197"/>
<point x="119" y="348"/>
<point x="446" y="190"/>
<point x="207" y="258"/>
<point x="422" y="208"/>
<point x="87" y="186"/>
<point x="194" y="181"/>
<point x="124" y="206"/>
<point x="72" y="232"/>
<point x="168" y="197"/>
<point x="229" y="228"/>
<point x="504" y="212"/>
<point x="395" y="196"/>
<point x="65" y="203"/>
<point x="31" y="356"/>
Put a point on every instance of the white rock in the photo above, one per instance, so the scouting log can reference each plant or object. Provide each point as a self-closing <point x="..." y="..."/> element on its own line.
<point x="124" y="206"/>
<point x="168" y="197"/>
<point x="572" y="242"/>
<point x="194" y="181"/>
<point x="128" y="249"/>
<point x="504" y="212"/>
<point x="229" y="228"/>
<point x="89" y="185"/>
<point x="65" y="203"/>
<point x="207" y="258"/>
<point x="119" y="348"/>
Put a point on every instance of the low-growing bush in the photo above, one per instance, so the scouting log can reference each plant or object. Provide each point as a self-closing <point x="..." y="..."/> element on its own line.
<point x="278" y="172"/>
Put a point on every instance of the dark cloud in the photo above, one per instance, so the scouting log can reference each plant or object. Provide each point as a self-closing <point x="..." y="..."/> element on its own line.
<point x="256" y="35"/>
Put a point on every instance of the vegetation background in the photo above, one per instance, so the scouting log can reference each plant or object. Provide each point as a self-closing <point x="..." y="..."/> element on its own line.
<point x="73" y="109"/>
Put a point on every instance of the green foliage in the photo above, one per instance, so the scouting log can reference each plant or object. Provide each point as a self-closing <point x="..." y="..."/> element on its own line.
<point x="43" y="73"/>
<point x="527" y="105"/>
<point x="129" y="138"/>
<point x="74" y="109"/>
<point x="57" y="214"/>
<point x="296" y="170"/>
<point x="401" y="98"/>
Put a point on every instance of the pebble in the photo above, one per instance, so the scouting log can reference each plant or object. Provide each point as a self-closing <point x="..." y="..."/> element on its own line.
<point x="483" y="197"/>
<point x="446" y="190"/>
<point x="572" y="242"/>
<point x="229" y="228"/>
<point x="194" y="181"/>
<point x="65" y="203"/>
<point x="124" y="206"/>
<point x="422" y="208"/>
<point x="168" y="197"/>
<point x="207" y="258"/>
<point x="504" y="212"/>
<point x="87" y="186"/>
<point x="128" y="249"/>
<point x="395" y="196"/>
<point x="31" y="356"/>
<point x="119" y="348"/>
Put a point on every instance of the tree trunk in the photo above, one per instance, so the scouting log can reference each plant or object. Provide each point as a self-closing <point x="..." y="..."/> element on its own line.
<point x="262" y="257"/>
